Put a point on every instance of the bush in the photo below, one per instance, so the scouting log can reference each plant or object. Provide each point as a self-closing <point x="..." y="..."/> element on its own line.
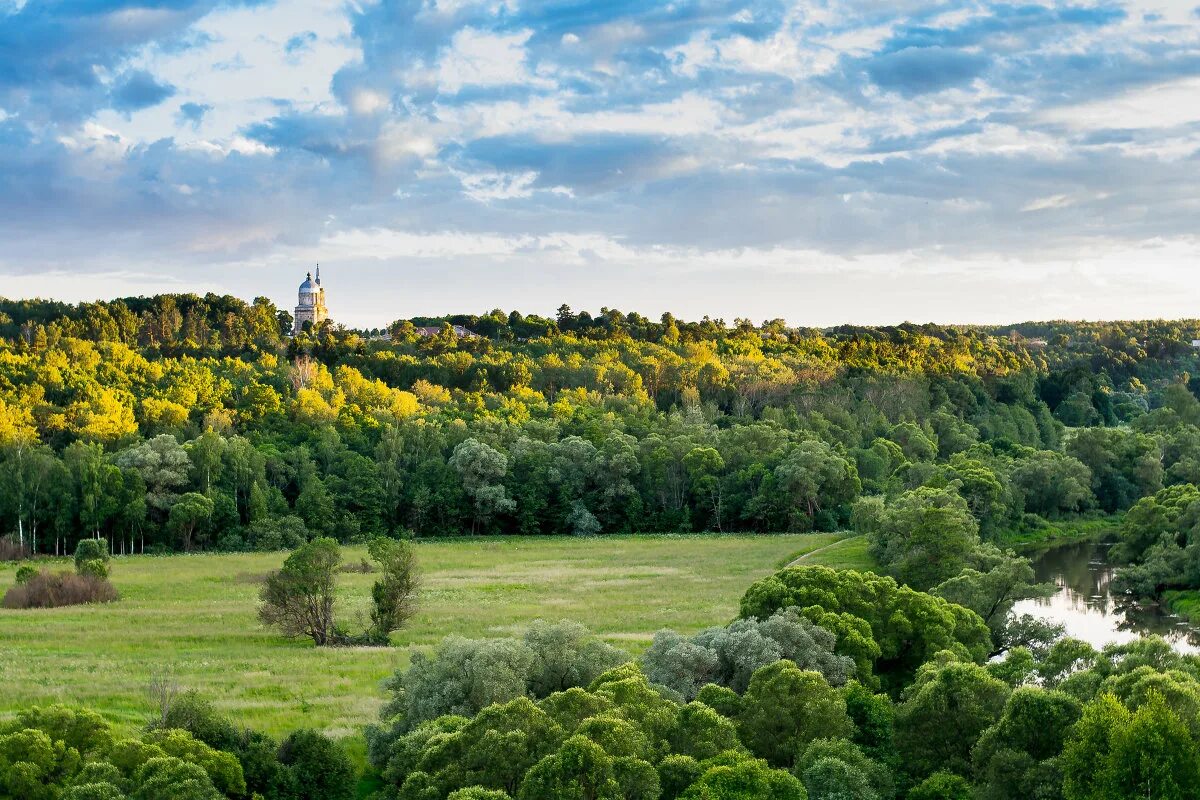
<point x="320" y="767"/>
<point x="298" y="598"/>
<point x="276" y="533"/>
<point x="941" y="786"/>
<point x="93" y="568"/>
<point x="25" y="573"/>
<point x="231" y="543"/>
<point x="54" y="590"/>
<point x="394" y="595"/>
<point x="10" y="550"/>
<point x="91" y="550"/>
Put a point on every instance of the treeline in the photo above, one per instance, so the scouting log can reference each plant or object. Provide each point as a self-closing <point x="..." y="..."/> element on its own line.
<point x="178" y="422"/>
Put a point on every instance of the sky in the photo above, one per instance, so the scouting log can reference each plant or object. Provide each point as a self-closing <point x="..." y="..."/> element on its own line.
<point x="832" y="161"/>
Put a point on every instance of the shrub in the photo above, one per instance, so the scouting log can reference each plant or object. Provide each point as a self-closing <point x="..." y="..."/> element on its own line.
<point x="298" y="599"/>
<point x="54" y="590"/>
<point x="941" y="786"/>
<point x="26" y="573"/>
<point x="10" y="550"/>
<point x="231" y="543"/>
<point x="276" y="533"/>
<point x="93" y="568"/>
<point x="320" y="767"/>
<point x="91" y="550"/>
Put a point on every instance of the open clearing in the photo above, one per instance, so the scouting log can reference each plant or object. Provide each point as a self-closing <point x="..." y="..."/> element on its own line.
<point x="193" y="616"/>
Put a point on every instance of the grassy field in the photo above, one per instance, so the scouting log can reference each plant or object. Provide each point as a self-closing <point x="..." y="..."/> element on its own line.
<point x="848" y="553"/>
<point x="193" y="616"/>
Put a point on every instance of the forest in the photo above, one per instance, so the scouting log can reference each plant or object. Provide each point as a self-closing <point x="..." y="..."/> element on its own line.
<point x="184" y="424"/>
<point x="181" y="423"/>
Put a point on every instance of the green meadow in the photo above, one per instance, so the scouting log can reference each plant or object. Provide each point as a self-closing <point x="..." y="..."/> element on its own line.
<point x="193" y="618"/>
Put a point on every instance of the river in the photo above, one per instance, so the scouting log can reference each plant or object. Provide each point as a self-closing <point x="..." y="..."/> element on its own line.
<point x="1087" y="607"/>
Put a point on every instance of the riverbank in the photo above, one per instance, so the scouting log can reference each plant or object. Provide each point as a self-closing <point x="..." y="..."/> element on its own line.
<point x="1184" y="602"/>
<point x="1043" y="533"/>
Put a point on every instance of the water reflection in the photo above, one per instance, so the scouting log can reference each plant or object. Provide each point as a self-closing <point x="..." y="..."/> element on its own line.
<point x="1087" y="607"/>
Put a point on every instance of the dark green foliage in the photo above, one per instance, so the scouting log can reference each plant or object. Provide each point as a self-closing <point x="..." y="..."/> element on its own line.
<point x="873" y="716"/>
<point x="320" y="768"/>
<point x="676" y="773"/>
<point x="258" y="753"/>
<point x="923" y="537"/>
<point x="741" y="778"/>
<point x="785" y="708"/>
<point x="836" y="769"/>
<point x="1113" y="753"/>
<point x="941" y="786"/>
<point x="722" y="699"/>
<point x="943" y="715"/>
<point x="88" y="551"/>
<point x="61" y="752"/>
<point x="1018" y="756"/>
<point x="183" y="422"/>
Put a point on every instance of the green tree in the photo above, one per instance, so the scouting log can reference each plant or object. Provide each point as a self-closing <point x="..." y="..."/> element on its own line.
<point x="813" y="476"/>
<point x="163" y="465"/>
<point x="1018" y="756"/>
<point x="299" y="597"/>
<point x="188" y="513"/>
<point x="1112" y="753"/>
<point x="394" y="594"/>
<point x="320" y="768"/>
<point x="481" y="469"/>
<point x="992" y="587"/>
<point x="580" y="770"/>
<point x="1052" y="483"/>
<point x="942" y="786"/>
<point x="924" y="537"/>
<point x="889" y="630"/>
<point x="929" y="738"/>
<point x="736" y="777"/>
<point x="785" y="708"/>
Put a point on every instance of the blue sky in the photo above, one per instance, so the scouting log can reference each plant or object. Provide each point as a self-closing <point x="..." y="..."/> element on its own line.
<point x="824" y="162"/>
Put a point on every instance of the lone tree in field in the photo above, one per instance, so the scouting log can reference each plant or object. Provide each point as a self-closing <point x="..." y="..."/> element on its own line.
<point x="394" y="595"/>
<point x="299" y="597"/>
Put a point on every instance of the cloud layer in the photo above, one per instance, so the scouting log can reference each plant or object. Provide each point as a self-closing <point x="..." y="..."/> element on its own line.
<point x="824" y="162"/>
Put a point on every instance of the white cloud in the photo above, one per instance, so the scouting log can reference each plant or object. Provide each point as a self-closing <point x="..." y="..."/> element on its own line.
<point x="488" y="186"/>
<point x="1164" y="105"/>
<point x="479" y="58"/>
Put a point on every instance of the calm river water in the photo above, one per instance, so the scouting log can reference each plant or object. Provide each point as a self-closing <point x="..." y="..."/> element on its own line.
<point x="1085" y="605"/>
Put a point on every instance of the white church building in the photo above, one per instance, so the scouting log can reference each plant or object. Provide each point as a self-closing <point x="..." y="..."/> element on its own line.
<point x="311" y="305"/>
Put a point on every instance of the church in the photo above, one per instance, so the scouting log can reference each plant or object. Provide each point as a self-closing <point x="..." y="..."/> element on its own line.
<point x="311" y="308"/>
